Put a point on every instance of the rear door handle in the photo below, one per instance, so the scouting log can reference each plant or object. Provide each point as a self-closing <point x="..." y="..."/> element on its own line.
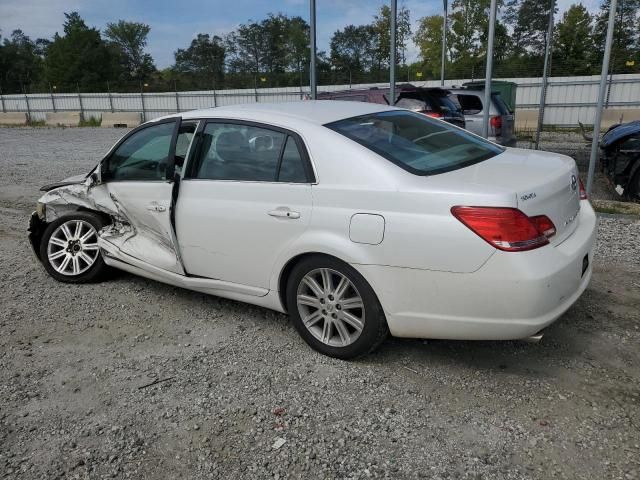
<point x="284" y="212"/>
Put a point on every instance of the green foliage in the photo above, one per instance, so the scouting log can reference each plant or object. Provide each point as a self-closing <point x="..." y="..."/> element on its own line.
<point x="275" y="50"/>
<point x="130" y="40"/>
<point x="91" y="122"/>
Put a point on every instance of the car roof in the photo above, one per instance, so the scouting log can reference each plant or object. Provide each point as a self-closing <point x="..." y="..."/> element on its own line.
<point x="313" y="111"/>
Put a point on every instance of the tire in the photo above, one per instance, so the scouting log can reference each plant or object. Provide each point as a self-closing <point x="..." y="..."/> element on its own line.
<point x="84" y="262"/>
<point x="633" y="187"/>
<point x="344" y="321"/>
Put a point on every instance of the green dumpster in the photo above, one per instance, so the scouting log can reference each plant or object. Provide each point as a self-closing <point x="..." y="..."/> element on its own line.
<point x="507" y="91"/>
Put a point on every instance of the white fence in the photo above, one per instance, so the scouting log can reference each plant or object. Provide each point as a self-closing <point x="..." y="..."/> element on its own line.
<point x="569" y="99"/>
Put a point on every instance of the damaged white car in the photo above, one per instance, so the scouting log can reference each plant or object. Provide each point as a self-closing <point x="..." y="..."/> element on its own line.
<point x="356" y="219"/>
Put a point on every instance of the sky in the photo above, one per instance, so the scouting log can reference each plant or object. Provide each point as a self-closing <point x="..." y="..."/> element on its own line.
<point x="175" y="23"/>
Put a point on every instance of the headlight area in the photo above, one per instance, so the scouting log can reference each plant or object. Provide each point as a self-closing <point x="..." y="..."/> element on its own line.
<point x="41" y="210"/>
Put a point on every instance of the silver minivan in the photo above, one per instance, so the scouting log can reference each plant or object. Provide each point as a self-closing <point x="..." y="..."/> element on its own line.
<point x="501" y="120"/>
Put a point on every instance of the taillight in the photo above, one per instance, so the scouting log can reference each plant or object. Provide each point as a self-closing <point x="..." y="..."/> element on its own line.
<point x="496" y="123"/>
<point x="506" y="229"/>
<point x="544" y="225"/>
<point x="431" y="114"/>
<point x="583" y="191"/>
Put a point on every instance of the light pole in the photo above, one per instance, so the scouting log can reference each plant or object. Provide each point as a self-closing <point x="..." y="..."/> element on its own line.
<point x="312" y="67"/>
<point x="392" y="53"/>
<point x="444" y="42"/>
<point x="601" y="95"/>
<point x="488" y="73"/>
<point x="545" y="73"/>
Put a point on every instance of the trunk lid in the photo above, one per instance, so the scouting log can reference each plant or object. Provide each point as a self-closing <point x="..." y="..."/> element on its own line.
<point x="543" y="183"/>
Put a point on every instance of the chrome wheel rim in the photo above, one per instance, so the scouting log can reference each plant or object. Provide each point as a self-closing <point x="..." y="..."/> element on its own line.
<point x="73" y="247"/>
<point x="330" y="307"/>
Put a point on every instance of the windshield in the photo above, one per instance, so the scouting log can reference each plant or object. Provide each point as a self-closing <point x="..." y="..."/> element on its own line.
<point x="418" y="144"/>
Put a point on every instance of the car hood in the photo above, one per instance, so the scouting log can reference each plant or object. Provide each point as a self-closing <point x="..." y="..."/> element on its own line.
<point x="67" y="181"/>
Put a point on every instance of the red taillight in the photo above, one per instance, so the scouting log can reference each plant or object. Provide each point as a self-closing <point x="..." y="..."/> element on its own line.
<point x="544" y="225"/>
<point x="496" y="122"/>
<point x="431" y="114"/>
<point x="507" y="229"/>
<point x="583" y="191"/>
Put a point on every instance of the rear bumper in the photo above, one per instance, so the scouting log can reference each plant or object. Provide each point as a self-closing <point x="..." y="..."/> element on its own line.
<point x="512" y="296"/>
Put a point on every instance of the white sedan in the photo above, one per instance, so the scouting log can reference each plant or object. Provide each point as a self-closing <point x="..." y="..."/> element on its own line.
<point x="358" y="220"/>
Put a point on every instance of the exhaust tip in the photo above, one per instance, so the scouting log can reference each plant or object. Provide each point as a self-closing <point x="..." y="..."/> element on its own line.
<point x="534" y="338"/>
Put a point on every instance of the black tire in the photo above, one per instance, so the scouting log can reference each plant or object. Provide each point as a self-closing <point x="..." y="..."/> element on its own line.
<point x="633" y="188"/>
<point x="95" y="271"/>
<point x="375" y="328"/>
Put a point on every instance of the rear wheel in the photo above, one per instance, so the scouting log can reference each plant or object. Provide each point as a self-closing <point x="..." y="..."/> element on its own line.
<point x="69" y="248"/>
<point x="334" y="308"/>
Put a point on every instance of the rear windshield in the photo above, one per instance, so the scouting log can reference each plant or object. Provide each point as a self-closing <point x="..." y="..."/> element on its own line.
<point x="415" y="142"/>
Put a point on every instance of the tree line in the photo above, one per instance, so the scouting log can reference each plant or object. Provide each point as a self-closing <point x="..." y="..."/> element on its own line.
<point x="275" y="50"/>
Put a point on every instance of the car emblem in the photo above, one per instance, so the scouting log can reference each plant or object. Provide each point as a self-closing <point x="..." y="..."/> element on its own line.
<point x="574" y="183"/>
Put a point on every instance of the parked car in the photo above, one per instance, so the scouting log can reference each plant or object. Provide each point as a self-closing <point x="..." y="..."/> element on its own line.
<point x="620" y="157"/>
<point x="501" y="119"/>
<point x="355" y="218"/>
<point x="433" y="102"/>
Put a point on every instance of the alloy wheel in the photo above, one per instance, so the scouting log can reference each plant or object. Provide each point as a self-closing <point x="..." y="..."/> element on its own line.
<point x="330" y="307"/>
<point x="73" y="247"/>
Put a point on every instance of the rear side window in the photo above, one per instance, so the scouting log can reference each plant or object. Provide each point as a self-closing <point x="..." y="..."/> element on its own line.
<point x="415" y="142"/>
<point x="499" y="104"/>
<point x="469" y="104"/>
<point x="248" y="153"/>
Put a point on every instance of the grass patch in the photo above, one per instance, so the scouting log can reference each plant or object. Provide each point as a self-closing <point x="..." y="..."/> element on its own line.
<point x="616" y="208"/>
<point x="36" y="123"/>
<point x="92" y="122"/>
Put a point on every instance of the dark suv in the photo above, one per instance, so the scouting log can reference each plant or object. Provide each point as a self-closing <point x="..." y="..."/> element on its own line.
<point x="434" y="102"/>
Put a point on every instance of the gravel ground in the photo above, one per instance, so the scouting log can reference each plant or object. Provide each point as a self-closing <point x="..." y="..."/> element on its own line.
<point x="239" y="395"/>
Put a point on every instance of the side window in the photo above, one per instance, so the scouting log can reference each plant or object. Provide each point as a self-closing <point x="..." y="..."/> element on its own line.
<point x="142" y="156"/>
<point x="183" y="143"/>
<point x="247" y="153"/>
<point x="292" y="167"/>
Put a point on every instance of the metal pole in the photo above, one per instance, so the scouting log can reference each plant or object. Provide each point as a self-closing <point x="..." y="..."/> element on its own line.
<point x="601" y="95"/>
<point x="53" y="102"/>
<point x="144" y="112"/>
<point x="545" y="73"/>
<point x="80" y="101"/>
<point x="110" y="98"/>
<point x="488" y="73"/>
<point x="313" y="81"/>
<point x="175" y="89"/>
<point x="26" y="99"/>
<point x="444" y="42"/>
<point x="392" y="53"/>
<point x="2" y="99"/>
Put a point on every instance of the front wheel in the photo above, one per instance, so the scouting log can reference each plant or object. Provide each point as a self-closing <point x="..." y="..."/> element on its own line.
<point x="69" y="248"/>
<point x="334" y="309"/>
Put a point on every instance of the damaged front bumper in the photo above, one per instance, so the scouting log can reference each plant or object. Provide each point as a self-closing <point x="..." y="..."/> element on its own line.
<point x="35" y="231"/>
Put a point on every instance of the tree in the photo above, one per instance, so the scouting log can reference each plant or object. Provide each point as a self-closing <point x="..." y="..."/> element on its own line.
<point x="573" y="42"/>
<point x="20" y="62"/>
<point x="529" y="20"/>
<point x="626" y="36"/>
<point x="354" y="49"/>
<point x="428" y="38"/>
<point x="130" y="38"/>
<point x="80" y="57"/>
<point x="382" y="27"/>
<point x="203" y="61"/>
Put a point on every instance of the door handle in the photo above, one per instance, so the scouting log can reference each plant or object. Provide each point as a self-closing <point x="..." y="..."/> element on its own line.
<point x="284" y="213"/>
<point x="154" y="207"/>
